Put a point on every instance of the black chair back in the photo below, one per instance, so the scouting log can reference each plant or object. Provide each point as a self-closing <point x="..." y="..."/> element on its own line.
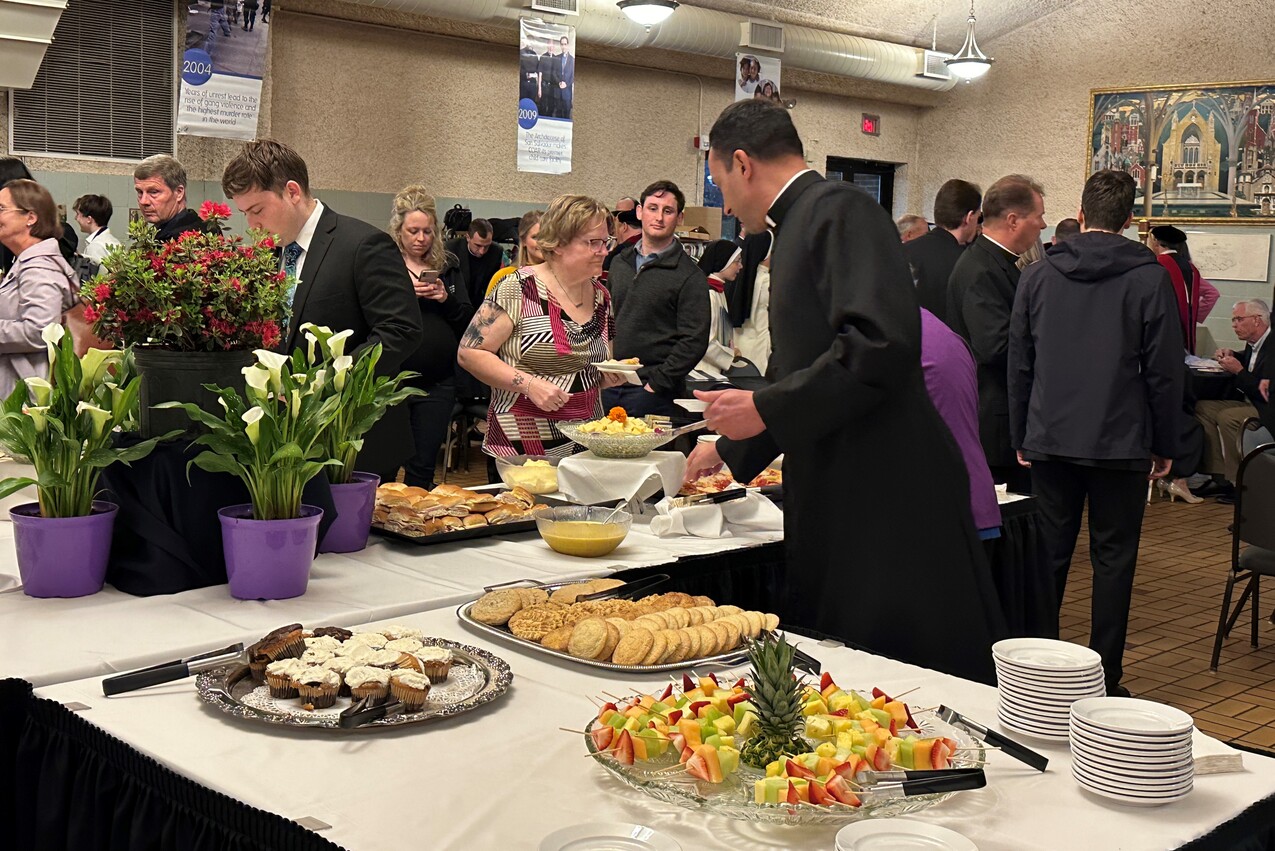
<point x="1255" y="498"/>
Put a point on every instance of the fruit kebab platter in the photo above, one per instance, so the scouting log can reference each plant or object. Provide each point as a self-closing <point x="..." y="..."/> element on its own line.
<point x="772" y="746"/>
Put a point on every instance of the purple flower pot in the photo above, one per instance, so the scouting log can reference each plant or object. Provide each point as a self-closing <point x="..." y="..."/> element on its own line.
<point x="268" y="559"/>
<point x="354" y="503"/>
<point x="63" y="556"/>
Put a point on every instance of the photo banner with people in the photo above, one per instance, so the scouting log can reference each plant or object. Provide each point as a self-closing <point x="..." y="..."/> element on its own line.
<point x="546" y="89"/>
<point x="222" y="66"/>
<point x="756" y="77"/>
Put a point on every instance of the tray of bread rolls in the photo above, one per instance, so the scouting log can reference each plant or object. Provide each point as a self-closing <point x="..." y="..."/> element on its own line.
<point x="658" y="632"/>
<point x="450" y="513"/>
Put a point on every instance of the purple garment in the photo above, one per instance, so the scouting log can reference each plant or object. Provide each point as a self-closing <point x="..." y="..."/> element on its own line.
<point x="952" y="383"/>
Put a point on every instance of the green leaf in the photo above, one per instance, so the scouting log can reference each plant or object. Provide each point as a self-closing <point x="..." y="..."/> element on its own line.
<point x="211" y="462"/>
<point x="286" y="452"/>
<point x="8" y="487"/>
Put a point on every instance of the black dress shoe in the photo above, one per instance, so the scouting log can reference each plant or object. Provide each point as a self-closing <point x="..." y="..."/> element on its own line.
<point x="1214" y="487"/>
<point x="1226" y="499"/>
<point x="1117" y="691"/>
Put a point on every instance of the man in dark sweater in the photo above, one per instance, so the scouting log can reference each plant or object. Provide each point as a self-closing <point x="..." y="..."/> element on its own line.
<point x="932" y="256"/>
<point x="660" y="298"/>
<point x="476" y="259"/>
<point x="160" y="182"/>
<point x="1095" y="386"/>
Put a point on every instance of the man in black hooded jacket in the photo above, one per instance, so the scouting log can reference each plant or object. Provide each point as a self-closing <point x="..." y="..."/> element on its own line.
<point x="1095" y="383"/>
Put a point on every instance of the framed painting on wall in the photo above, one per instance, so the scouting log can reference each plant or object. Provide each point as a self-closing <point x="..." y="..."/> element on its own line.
<point x="1203" y="154"/>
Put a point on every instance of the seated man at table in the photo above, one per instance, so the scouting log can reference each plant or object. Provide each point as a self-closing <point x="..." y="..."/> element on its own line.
<point x="1223" y="418"/>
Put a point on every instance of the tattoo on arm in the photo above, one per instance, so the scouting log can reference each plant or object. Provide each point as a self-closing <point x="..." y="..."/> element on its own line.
<point x="488" y="313"/>
<point x="518" y="382"/>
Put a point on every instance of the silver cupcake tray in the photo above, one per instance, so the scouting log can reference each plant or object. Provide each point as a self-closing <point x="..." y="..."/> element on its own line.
<point x="726" y="660"/>
<point x="477" y="677"/>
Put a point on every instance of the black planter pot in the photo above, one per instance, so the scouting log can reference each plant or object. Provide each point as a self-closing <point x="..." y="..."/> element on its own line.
<point x="169" y="376"/>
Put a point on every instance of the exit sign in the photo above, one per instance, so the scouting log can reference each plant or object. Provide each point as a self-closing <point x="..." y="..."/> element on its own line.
<point x="871" y="124"/>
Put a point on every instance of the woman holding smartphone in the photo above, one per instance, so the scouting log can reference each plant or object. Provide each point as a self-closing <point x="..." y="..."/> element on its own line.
<point x="445" y="311"/>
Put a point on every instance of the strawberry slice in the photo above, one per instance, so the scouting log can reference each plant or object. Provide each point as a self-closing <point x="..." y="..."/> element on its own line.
<point x="738" y="698"/>
<point x="607" y="709"/>
<point x="695" y="707"/>
<point x="911" y="723"/>
<point x="713" y="677"/>
<point x="876" y="692"/>
<point x="796" y="769"/>
<point x="674" y="716"/>
<point x="602" y="736"/>
<point x="697" y="766"/>
<point x="664" y="695"/>
<point x="847" y="768"/>
<point x="739" y="683"/>
<point x="840" y="790"/>
<point x="624" y="748"/>
<point x="793" y="797"/>
<point x="820" y="795"/>
<point x="824" y="681"/>
<point x="687" y="683"/>
<point x="687" y="753"/>
<point x="939" y="754"/>
<point x="840" y="713"/>
<point x="881" y="761"/>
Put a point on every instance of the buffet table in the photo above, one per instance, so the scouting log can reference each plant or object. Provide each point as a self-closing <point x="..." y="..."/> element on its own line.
<point x="504" y="776"/>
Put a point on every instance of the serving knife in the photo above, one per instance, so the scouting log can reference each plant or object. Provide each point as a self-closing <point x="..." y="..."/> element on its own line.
<point x="179" y="669"/>
<point x="1007" y="745"/>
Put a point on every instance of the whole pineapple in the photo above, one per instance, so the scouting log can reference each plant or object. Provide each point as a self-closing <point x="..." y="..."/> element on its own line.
<point x="777" y="695"/>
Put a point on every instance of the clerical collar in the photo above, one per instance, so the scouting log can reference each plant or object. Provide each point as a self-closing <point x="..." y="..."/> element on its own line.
<point x="770" y="222"/>
<point x="1001" y="247"/>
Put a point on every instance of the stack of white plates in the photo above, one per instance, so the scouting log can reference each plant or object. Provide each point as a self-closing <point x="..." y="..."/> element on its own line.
<point x="1039" y="679"/>
<point x="1133" y="751"/>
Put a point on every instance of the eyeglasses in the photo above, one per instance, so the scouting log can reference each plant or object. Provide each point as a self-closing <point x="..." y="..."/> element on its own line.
<point x="596" y="245"/>
<point x="4" y="210"/>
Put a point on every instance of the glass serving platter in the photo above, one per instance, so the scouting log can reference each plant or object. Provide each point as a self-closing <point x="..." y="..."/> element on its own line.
<point x="733" y="797"/>
<point x="477" y="677"/>
<point x="616" y="445"/>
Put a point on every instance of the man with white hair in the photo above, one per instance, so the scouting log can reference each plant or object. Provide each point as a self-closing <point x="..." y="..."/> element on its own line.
<point x="912" y="227"/>
<point x="1223" y="418"/>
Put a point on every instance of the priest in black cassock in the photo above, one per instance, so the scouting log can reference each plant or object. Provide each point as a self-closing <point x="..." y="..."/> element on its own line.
<point x="882" y="548"/>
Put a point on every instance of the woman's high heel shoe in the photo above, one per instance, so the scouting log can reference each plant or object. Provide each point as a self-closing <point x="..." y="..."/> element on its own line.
<point x="1177" y="489"/>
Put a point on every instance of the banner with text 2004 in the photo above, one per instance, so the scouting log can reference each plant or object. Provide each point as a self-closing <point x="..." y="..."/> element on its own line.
<point x="221" y="68"/>
<point x="546" y="90"/>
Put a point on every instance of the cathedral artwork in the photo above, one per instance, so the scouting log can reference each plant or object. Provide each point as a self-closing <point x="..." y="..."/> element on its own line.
<point x="1202" y="154"/>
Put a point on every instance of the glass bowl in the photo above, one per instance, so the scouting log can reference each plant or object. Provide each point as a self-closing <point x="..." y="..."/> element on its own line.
<point x="537" y="480"/>
<point x="616" y="445"/>
<point x="578" y="530"/>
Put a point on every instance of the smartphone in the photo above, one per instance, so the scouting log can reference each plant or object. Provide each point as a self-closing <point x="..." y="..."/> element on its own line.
<point x="428" y="276"/>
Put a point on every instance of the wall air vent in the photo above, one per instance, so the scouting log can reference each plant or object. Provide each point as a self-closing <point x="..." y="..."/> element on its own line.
<point x="758" y="36"/>
<point x="556" y="7"/>
<point x="933" y="65"/>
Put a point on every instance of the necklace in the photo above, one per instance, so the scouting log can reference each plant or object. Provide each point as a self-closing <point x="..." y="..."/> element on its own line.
<point x="562" y="287"/>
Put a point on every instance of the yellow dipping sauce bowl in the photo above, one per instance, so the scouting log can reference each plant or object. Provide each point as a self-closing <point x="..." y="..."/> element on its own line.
<point x="579" y="530"/>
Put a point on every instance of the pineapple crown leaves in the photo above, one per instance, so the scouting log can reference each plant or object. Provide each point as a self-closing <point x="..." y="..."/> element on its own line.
<point x="776" y="689"/>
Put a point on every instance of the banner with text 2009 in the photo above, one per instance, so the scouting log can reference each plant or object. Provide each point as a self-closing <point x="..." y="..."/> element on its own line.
<point x="221" y="68"/>
<point x="546" y="89"/>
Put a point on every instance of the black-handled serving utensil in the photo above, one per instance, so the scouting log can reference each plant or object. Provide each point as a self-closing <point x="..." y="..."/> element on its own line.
<point x="1007" y="745"/>
<point x="179" y="669"/>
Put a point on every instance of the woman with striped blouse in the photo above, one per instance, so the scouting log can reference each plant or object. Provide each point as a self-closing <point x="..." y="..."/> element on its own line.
<point x="535" y="338"/>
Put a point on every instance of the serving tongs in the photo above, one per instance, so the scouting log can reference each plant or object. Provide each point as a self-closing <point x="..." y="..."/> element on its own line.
<point x="179" y="669"/>
<point x="1007" y="745"/>
<point x="665" y="424"/>
<point x="363" y="711"/>
<point x="722" y="496"/>
<point x="969" y="778"/>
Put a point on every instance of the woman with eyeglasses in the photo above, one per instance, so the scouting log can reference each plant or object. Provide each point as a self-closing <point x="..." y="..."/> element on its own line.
<point x="38" y="288"/>
<point x="536" y="337"/>
<point x="445" y="311"/>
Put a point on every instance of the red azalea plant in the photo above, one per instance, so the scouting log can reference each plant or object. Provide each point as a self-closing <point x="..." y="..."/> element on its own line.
<point x="202" y="292"/>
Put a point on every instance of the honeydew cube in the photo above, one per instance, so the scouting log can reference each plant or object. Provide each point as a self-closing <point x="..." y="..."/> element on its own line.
<point x="774" y="769"/>
<point x="729" y="759"/>
<point x="741" y="708"/>
<point x="745" y="726"/>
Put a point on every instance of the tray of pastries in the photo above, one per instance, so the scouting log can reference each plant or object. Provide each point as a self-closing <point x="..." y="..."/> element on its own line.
<point x="451" y="513"/>
<point x="723" y="480"/>
<point x="659" y="632"/>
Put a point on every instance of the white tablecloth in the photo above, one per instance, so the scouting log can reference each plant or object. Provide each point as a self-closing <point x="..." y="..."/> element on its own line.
<point x="504" y="776"/>
<point x="53" y="640"/>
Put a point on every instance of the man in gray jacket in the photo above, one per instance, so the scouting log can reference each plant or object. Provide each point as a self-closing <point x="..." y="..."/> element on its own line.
<point x="660" y="298"/>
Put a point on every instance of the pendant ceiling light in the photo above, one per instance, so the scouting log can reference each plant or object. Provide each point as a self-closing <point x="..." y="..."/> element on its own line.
<point x="970" y="63"/>
<point x="648" y="13"/>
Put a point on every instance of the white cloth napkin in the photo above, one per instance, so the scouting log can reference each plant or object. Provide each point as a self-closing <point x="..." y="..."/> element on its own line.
<point x="587" y="479"/>
<point x="715" y="520"/>
<point x="1213" y="757"/>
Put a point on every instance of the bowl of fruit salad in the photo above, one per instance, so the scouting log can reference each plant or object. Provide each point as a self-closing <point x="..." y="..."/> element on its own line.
<point x="617" y="435"/>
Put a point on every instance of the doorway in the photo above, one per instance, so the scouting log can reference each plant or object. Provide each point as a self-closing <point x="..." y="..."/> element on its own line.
<point x="874" y="178"/>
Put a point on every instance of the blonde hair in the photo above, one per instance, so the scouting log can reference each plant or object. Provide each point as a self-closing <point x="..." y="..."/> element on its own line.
<point x="417" y="199"/>
<point x="528" y="221"/>
<point x="569" y="216"/>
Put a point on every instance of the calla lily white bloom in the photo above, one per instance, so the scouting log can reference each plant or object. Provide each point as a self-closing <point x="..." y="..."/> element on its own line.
<point x="295" y="409"/>
<point x="274" y="362"/>
<point x="117" y="397"/>
<point x="310" y="341"/>
<point x="40" y="414"/>
<point x="320" y="379"/>
<point x="100" y="417"/>
<point x="336" y="343"/>
<point x="257" y="379"/>
<point x="52" y="335"/>
<point x="40" y="389"/>
<point x="252" y="423"/>
<point x="94" y="365"/>
<point x="341" y="367"/>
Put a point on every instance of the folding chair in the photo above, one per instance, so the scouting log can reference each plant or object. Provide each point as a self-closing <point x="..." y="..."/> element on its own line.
<point x="1255" y="526"/>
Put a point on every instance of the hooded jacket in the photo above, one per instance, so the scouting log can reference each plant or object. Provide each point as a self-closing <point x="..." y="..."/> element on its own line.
<point x="1095" y="354"/>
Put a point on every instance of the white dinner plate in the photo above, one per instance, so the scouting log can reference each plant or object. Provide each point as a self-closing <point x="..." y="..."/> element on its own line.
<point x="1131" y="783"/>
<point x="608" y="836"/>
<point x="1029" y="710"/>
<point x="1132" y="801"/>
<point x="1046" y="654"/>
<point x="616" y="366"/>
<point x="1045" y="703"/>
<point x="900" y="834"/>
<point x="1129" y="761"/>
<point x="1121" y="787"/>
<point x="1031" y="731"/>
<point x="1088" y="684"/>
<point x="1131" y="716"/>
<point x="1128" y="741"/>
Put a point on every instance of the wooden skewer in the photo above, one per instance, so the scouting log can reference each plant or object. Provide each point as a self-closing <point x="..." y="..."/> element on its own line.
<point x="592" y="700"/>
<point x="904" y="693"/>
<point x="565" y="730"/>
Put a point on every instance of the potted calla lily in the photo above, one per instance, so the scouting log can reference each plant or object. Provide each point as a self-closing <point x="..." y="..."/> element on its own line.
<point x="271" y="438"/>
<point x="63" y="426"/>
<point x="363" y="397"/>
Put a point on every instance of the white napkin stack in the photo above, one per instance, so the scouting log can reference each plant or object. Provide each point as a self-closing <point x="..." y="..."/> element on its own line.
<point x="588" y="480"/>
<point x="1214" y="757"/>
<point x="713" y="520"/>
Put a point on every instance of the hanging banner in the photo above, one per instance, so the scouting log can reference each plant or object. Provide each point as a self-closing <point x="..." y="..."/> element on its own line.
<point x="222" y="67"/>
<point x="546" y="89"/>
<point x="756" y="77"/>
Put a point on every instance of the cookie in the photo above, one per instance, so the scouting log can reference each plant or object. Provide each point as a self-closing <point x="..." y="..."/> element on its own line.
<point x="497" y="607"/>
<point x="659" y="648"/>
<point x="678" y="617"/>
<point x="729" y="610"/>
<point x="613" y="640"/>
<point x="756" y="623"/>
<point x="704" y="601"/>
<point x="772" y="621"/>
<point x="557" y="639"/>
<point x="693" y="642"/>
<point x="679" y="648"/>
<point x="532" y="596"/>
<point x="536" y="622"/>
<point x="707" y="640"/>
<point x="621" y="624"/>
<point x="732" y="627"/>
<point x="695" y="615"/>
<point x="588" y="638"/>
<point x="569" y="593"/>
<point x="633" y="647"/>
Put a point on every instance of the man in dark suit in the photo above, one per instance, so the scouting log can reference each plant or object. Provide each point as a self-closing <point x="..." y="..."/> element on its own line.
<point x="1096" y="434"/>
<point x="566" y="77"/>
<point x="349" y="275"/>
<point x="980" y="297"/>
<point x="529" y="73"/>
<point x="1251" y="322"/>
<point x="476" y="258"/>
<point x="933" y="255"/>
<point x="549" y="70"/>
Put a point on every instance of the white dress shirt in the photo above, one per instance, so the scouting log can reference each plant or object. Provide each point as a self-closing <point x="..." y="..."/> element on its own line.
<point x="98" y="243"/>
<point x="306" y="235"/>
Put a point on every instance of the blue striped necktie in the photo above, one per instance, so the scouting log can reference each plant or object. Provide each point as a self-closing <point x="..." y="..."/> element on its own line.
<point x="291" y="254"/>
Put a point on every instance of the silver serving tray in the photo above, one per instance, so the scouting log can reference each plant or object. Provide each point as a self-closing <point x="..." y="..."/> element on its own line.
<point x="477" y="677"/>
<point x="728" y="659"/>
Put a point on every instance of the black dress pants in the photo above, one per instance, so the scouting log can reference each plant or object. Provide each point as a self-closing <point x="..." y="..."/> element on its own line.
<point x="1117" y="500"/>
<point x="430" y="416"/>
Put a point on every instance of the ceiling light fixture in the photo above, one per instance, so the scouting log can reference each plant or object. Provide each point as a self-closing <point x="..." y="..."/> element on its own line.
<point x="970" y="63"/>
<point x="647" y="13"/>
